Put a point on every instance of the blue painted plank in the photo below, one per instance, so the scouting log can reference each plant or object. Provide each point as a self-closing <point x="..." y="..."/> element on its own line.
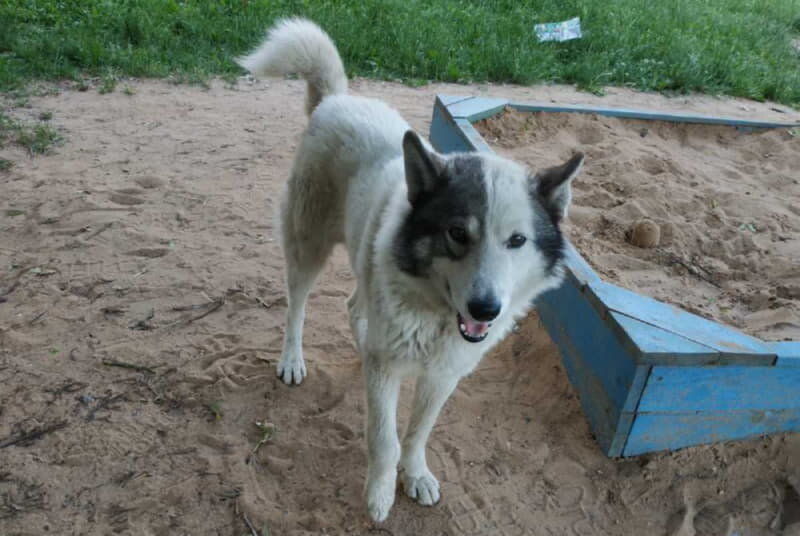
<point x="720" y="389"/>
<point x="657" y="346"/>
<point x="730" y="343"/>
<point x="473" y="136"/>
<point x="788" y="353"/>
<point x="637" y="388"/>
<point x="447" y="100"/>
<point x="445" y="135"/>
<point x="652" y="116"/>
<point x="655" y="432"/>
<point x="577" y="267"/>
<point x="597" y="364"/>
<point x="628" y="413"/>
<point x="787" y="362"/>
<point x="476" y="108"/>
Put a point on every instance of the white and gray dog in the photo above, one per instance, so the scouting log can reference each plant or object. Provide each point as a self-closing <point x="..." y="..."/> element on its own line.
<point x="447" y="250"/>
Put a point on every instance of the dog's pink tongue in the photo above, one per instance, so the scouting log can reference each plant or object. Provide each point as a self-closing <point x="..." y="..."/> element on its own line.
<point x="474" y="328"/>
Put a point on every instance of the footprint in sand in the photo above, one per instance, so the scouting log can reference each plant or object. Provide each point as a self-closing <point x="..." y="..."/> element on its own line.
<point x="150" y="253"/>
<point x="149" y="182"/>
<point x="328" y="395"/>
<point x="790" y="512"/>
<point x="130" y="191"/>
<point x="125" y="199"/>
<point x="754" y="511"/>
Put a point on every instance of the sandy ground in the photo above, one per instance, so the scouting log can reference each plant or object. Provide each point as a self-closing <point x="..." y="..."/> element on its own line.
<point x="141" y="318"/>
<point x="725" y="201"/>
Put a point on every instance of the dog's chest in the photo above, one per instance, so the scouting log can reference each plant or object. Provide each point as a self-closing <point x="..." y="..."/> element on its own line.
<point x="429" y="341"/>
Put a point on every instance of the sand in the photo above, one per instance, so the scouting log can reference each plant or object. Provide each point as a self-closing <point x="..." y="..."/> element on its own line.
<point x="725" y="203"/>
<point x="141" y="319"/>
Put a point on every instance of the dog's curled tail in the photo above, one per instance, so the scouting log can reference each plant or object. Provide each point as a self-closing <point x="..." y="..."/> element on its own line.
<point x="298" y="46"/>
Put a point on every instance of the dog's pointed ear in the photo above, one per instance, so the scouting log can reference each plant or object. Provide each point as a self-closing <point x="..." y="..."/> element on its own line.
<point x="423" y="168"/>
<point x="553" y="186"/>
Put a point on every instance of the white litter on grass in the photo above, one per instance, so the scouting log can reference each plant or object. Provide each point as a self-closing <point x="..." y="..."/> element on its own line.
<point x="559" y="31"/>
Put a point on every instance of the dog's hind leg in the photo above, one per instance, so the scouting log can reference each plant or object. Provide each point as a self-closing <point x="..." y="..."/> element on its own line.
<point x="429" y="397"/>
<point x="358" y="320"/>
<point x="383" y="447"/>
<point x="303" y="264"/>
<point x="308" y="233"/>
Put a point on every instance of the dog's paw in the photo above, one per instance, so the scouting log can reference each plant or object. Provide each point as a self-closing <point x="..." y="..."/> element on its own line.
<point x="292" y="369"/>
<point x="422" y="488"/>
<point x="380" y="498"/>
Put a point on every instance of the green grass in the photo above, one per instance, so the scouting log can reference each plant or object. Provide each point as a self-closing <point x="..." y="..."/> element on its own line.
<point x="37" y="138"/>
<point x="108" y="84"/>
<point x="735" y="47"/>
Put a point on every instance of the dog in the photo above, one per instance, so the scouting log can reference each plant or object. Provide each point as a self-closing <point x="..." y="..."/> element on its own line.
<point x="447" y="250"/>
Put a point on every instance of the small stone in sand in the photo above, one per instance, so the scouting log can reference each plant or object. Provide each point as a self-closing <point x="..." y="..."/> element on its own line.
<point x="645" y="234"/>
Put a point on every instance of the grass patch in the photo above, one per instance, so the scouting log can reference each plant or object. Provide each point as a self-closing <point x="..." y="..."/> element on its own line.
<point x="36" y="138"/>
<point x="108" y="84"/>
<point x="215" y="409"/>
<point x="735" y="47"/>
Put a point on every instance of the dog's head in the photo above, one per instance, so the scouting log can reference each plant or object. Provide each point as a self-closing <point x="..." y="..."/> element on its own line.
<point x="483" y="231"/>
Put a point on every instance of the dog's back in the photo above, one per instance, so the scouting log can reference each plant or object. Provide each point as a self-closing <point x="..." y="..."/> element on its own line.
<point x="339" y="167"/>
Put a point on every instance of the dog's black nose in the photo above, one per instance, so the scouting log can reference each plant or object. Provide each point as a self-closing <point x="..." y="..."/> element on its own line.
<point x="484" y="310"/>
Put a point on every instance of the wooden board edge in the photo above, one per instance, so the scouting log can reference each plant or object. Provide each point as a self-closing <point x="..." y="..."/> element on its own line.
<point x="577" y="266"/>
<point x="599" y="367"/>
<point x="658" y="432"/>
<point x="445" y="135"/>
<point x="788" y="353"/>
<point x="651" y="116"/>
<point x="760" y="356"/>
<point x="447" y="100"/>
<point x="628" y="413"/>
<point x="477" y="108"/>
<point x="704" y="355"/>
<point x="474" y="137"/>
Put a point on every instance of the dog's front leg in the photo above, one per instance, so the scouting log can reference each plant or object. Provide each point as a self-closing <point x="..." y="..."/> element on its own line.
<point x="431" y="392"/>
<point x="383" y="447"/>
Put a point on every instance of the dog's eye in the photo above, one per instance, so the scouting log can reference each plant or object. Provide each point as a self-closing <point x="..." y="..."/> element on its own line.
<point x="516" y="241"/>
<point x="458" y="234"/>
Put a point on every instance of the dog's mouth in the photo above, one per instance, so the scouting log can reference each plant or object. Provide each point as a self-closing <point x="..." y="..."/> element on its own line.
<point x="472" y="330"/>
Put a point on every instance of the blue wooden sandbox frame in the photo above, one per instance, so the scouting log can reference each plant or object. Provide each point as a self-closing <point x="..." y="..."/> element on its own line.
<point x="650" y="376"/>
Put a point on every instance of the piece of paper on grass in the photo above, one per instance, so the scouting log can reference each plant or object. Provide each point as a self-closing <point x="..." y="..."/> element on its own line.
<point x="559" y="31"/>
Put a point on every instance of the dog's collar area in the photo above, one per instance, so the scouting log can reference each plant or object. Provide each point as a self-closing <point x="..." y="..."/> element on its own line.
<point x="472" y="330"/>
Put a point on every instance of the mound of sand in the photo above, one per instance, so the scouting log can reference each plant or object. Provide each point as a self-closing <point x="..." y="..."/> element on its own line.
<point x="141" y="319"/>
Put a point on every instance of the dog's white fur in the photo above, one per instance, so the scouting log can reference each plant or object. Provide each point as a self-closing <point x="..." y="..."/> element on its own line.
<point x="348" y="184"/>
<point x="297" y="46"/>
